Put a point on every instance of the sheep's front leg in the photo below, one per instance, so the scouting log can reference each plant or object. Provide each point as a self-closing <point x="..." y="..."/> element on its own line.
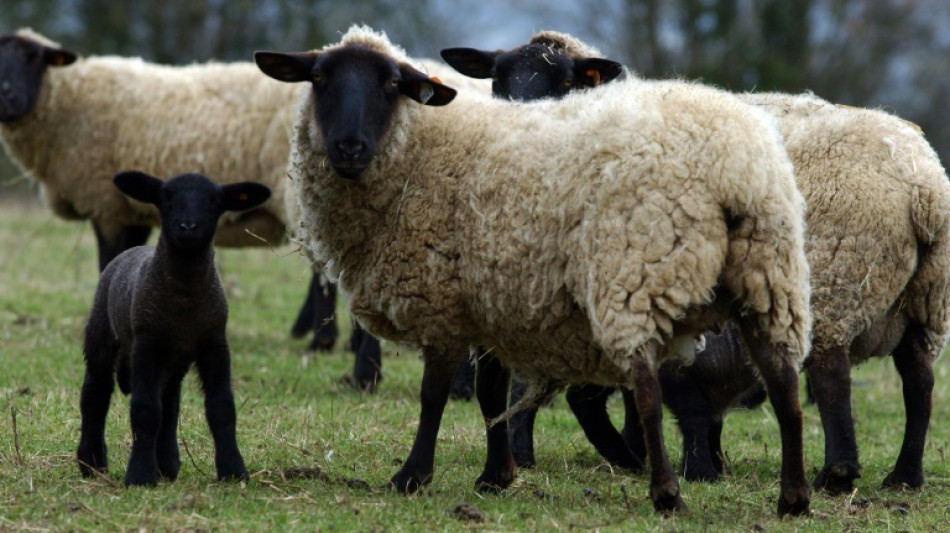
<point x="781" y="382"/>
<point x="166" y="452"/>
<point x="368" y="365"/>
<point x="491" y="389"/>
<point x="829" y="372"/>
<point x="664" y="489"/>
<point x="317" y="315"/>
<point x="588" y="402"/>
<point x="914" y="362"/>
<point x="97" y="388"/>
<point x="145" y="413"/>
<point x="436" y="379"/>
<point x="214" y="369"/>
<point x="113" y="239"/>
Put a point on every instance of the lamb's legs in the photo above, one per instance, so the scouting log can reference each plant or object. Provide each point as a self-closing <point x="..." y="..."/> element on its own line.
<point x="113" y="240"/>
<point x="98" y="385"/>
<point x="166" y="451"/>
<point x="914" y="363"/>
<point x="436" y="380"/>
<point x="781" y="382"/>
<point x="830" y="375"/>
<point x="664" y="489"/>
<point x="588" y="402"/>
<point x="214" y="370"/>
<point x="491" y="389"/>
<point x="694" y="416"/>
<point x="145" y="413"/>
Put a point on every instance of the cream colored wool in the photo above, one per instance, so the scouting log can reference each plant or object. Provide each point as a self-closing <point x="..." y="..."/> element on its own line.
<point x="572" y="235"/>
<point x="102" y="115"/>
<point x="874" y="190"/>
<point x="565" y="43"/>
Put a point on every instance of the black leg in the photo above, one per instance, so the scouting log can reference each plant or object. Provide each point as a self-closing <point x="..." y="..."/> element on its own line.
<point x="94" y="400"/>
<point x="323" y="322"/>
<point x="914" y="362"/>
<point x="463" y="383"/>
<point x="112" y="240"/>
<point x="166" y="452"/>
<point x="436" y="380"/>
<point x="145" y="414"/>
<point x="368" y="365"/>
<point x="588" y="402"/>
<point x="491" y="388"/>
<point x="305" y="321"/>
<point x="632" y="432"/>
<point x="214" y="369"/>
<point x="829" y="373"/>
<point x="521" y="428"/>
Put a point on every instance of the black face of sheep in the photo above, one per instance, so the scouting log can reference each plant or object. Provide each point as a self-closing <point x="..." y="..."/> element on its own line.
<point x="357" y="89"/>
<point x="22" y="65"/>
<point x="532" y="71"/>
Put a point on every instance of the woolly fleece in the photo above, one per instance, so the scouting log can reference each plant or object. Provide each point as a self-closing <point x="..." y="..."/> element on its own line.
<point x="572" y="235"/>
<point x="106" y="114"/>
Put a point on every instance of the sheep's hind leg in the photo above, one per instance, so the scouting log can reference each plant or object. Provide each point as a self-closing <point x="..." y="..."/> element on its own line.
<point x="914" y="363"/>
<point x="368" y="365"/>
<point x="491" y="389"/>
<point x="434" y="394"/>
<point x="588" y="402"/>
<point x="829" y="373"/>
<point x="97" y="388"/>
<point x="781" y="382"/>
<point x="166" y="450"/>
<point x="214" y="369"/>
<point x="664" y="489"/>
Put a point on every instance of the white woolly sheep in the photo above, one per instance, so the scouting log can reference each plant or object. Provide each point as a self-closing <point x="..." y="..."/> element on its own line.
<point x="156" y="312"/>
<point x="877" y="288"/>
<point x="71" y="128"/>
<point x="575" y="260"/>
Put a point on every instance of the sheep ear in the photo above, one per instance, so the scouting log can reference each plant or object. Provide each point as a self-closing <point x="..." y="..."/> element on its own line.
<point x="423" y="89"/>
<point x="57" y="57"/>
<point x="290" y="67"/>
<point x="139" y="185"/>
<point x="244" y="195"/>
<point x="471" y="62"/>
<point x="592" y="71"/>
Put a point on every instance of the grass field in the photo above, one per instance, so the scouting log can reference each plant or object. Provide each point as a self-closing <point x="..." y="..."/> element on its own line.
<point x="318" y="451"/>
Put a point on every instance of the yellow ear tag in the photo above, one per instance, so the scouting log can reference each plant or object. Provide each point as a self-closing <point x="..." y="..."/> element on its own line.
<point x="594" y="75"/>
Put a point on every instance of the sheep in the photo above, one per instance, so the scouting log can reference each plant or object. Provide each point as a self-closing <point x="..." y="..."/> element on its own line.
<point x="156" y="312"/>
<point x="877" y="288"/>
<point x="71" y="127"/>
<point x="461" y="233"/>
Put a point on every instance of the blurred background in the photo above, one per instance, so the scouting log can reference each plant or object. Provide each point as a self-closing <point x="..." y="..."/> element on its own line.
<point x="893" y="54"/>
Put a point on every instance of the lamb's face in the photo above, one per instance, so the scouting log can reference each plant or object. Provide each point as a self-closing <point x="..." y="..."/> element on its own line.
<point x="532" y="71"/>
<point x="23" y="63"/>
<point x="190" y="204"/>
<point x="356" y="91"/>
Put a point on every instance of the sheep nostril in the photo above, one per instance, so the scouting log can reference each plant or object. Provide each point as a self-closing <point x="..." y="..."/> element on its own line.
<point x="188" y="226"/>
<point x="351" y="149"/>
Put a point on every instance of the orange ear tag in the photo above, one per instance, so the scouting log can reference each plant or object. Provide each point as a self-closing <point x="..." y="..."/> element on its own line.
<point x="594" y="75"/>
<point x="242" y="197"/>
<point x="437" y="80"/>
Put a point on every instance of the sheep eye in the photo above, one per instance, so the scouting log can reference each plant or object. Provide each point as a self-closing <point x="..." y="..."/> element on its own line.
<point x="394" y="82"/>
<point x="317" y="76"/>
<point x="568" y="82"/>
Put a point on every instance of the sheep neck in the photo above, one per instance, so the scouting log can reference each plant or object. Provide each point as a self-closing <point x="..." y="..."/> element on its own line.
<point x="182" y="269"/>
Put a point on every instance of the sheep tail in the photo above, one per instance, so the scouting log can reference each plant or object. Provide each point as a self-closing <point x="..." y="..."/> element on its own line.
<point x="930" y="294"/>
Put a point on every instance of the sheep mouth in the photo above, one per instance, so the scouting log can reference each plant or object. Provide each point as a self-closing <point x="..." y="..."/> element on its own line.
<point x="349" y="170"/>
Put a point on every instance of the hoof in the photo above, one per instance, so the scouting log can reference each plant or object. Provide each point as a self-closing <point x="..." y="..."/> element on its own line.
<point x="494" y="484"/>
<point x="794" y="504"/>
<point x="408" y="483"/>
<point x="670" y="505"/>
<point x="837" y="479"/>
<point x="896" y="480"/>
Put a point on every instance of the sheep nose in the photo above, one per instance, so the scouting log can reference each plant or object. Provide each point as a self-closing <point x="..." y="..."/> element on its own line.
<point x="351" y="149"/>
<point x="188" y="226"/>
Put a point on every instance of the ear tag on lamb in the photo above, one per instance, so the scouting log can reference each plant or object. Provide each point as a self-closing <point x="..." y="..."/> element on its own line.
<point x="594" y="76"/>
<point x="426" y="92"/>
<point x="242" y="197"/>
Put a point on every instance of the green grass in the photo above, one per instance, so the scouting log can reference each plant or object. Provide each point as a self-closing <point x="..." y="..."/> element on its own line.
<point x="318" y="451"/>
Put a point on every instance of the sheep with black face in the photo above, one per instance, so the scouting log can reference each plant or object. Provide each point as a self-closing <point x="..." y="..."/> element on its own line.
<point x="156" y="312"/>
<point x="446" y="230"/>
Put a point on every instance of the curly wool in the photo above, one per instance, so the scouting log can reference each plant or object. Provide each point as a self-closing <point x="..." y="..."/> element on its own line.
<point x="106" y="114"/>
<point x="574" y="237"/>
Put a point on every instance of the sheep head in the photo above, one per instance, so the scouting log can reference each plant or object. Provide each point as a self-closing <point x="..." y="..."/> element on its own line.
<point x="356" y="91"/>
<point x="190" y="204"/>
<point x="23" y="63"/>
<point x="532" y="71"/>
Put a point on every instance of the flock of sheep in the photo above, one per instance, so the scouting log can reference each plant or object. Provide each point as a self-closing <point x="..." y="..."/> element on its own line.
<point x="571" y="224"/>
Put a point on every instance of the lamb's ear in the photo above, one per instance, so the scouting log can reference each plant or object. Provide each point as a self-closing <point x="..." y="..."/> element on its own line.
<point x="471" y="62"/>
<point x="58" y="57"/>
<point x="139" y="186"/>
<point x="244" y="195"/>
<point x="288" y="67"/>
<point x="592" y="71"/>
<point x="423" y="89"/>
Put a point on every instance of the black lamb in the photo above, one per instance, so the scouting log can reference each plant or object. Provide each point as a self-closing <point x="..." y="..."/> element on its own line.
<point x="157" y="311"/>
